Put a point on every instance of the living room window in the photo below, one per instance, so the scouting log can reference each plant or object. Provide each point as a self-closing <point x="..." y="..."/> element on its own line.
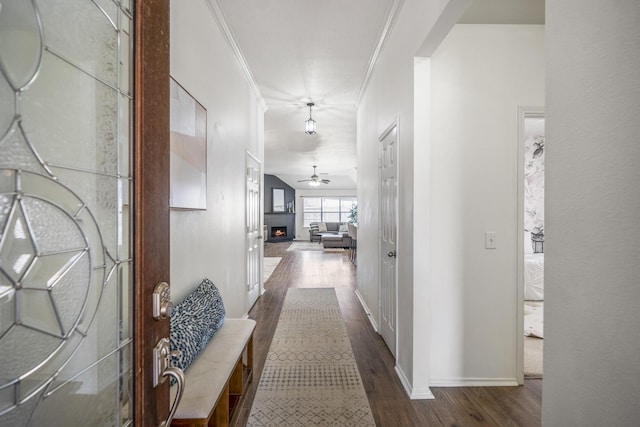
<point x="327" y="209"/>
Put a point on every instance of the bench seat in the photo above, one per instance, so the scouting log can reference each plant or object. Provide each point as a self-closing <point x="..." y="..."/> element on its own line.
<point x="216" y="380"/>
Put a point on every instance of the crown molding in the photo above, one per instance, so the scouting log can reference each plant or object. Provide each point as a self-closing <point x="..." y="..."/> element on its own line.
<point x="394" y="10"/>
<point x="221" y="19"/>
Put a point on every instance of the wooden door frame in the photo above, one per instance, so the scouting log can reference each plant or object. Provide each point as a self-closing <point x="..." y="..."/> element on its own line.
<point x="150" y="218"/>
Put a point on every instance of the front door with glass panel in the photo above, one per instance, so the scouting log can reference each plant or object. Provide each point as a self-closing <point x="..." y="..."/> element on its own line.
<point x="66" y="333"/>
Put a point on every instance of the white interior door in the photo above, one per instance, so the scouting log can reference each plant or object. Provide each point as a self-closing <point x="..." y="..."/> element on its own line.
<point x="254" y="231"/>
<point x="388" y="235"/>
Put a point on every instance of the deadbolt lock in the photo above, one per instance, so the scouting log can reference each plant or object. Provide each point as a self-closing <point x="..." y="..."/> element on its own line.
<point x="162" y="305"/>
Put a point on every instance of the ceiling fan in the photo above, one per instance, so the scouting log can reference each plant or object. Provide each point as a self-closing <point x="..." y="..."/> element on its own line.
<point x="315" y="179"/>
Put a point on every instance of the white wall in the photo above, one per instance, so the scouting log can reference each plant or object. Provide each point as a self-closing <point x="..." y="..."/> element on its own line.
<point x="211" y="243"/>
<point x="389" y="97"/>
<point x="480" y="75"/>
<point x="302" y="233"/>
<point x="592" y="238"/>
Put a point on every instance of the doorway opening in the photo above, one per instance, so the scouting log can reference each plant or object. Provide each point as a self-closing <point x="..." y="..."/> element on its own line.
<point x="531" y="248"/>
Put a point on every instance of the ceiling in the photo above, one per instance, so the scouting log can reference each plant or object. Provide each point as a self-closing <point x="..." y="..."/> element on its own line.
<point x="300" y="51"/>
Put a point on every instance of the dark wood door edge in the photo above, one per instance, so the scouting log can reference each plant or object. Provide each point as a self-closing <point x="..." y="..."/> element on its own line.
<point x="150" y="199"/>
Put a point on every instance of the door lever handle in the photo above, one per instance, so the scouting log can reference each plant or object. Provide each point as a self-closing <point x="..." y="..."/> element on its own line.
<point x="391" y="254"/>
<point x="162" y="368"/>
<point x="178" y="375"/>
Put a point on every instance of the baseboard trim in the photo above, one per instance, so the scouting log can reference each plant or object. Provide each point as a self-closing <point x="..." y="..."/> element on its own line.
<point x="414" y="394"/>
<point x="472" y="382"/>
<point x="367" y="311"/>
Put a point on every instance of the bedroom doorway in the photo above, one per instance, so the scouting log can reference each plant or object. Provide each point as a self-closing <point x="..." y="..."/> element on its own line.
<point x="531" y="248"/>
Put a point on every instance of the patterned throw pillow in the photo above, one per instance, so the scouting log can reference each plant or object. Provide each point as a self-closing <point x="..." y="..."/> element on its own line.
<point x="322" y="227"/>
<point x="194" y="322"/>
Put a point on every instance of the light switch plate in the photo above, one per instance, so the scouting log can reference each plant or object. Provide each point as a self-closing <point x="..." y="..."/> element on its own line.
<point x="490" y="240"/>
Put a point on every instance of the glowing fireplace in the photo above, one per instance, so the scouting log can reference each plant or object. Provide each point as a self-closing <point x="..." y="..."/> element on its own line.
<point x="278" y="232"/>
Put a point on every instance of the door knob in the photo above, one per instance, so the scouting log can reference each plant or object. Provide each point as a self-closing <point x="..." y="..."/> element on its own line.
<point x="391" y="254"/>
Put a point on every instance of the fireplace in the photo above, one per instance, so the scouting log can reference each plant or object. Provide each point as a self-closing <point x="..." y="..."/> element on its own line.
<point x="278" y="232"/>
<point x="281" y="226"/>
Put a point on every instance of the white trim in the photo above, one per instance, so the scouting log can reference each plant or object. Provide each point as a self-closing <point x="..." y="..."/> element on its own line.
<point x="367" y="311"/>
<point x="218" y="14"/>
<point x="413" y="394"/>
<point x="523" y="112"/>
<point x="394" y="10"/>
<point x="473" y="382"/>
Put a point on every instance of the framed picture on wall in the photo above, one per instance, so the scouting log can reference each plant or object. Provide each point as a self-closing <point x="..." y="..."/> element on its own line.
<point x="278" y="200"/>
<point x="188" y="150"/>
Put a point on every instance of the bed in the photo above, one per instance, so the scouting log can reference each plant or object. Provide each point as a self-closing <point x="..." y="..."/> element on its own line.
<point x="533" y="277"/>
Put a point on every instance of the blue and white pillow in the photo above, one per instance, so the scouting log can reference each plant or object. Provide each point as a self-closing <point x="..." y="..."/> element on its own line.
<point x="194" y="322"/>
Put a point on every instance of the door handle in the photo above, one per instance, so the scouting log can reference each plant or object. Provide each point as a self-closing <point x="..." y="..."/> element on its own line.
<point x="178" y="375"/>
<point x="162" y="369"/>
<point x="391" y="254"/>
<point x="259" y="237"/>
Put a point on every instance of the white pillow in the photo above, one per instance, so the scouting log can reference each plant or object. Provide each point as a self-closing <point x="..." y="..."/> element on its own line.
<point x="344" y="228"/>
<point x="322" y="227"/>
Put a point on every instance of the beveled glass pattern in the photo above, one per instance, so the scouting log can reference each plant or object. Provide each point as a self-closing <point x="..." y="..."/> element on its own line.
<point x="82" y="34"/>
<point x="65" y="277"/>
<point x="16" y="152"/>
<point x="20" y="42"/>
<point x="89" y="109"/>
<point x="90" y="398"/>
<point x="7" y="113"/>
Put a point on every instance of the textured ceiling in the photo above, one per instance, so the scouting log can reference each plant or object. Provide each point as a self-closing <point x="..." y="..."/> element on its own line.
<point x="303" y="51"/>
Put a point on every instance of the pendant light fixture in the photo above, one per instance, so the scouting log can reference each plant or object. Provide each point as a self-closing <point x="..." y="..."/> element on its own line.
<point x="310" y="125"/>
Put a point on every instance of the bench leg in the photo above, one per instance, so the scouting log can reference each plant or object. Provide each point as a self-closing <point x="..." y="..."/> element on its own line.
<point x="250" y="354"/>
<point x="235" y="382"/>
<point x="221" y="413"/>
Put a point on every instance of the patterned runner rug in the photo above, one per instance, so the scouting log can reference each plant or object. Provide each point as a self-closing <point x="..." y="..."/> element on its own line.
<point x="310" y="377"/>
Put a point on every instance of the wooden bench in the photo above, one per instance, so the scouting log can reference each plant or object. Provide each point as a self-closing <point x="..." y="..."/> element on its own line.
<point x="216" y="381"/>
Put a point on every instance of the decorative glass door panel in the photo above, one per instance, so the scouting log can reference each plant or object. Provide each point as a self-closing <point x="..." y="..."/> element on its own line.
<point x="65" y="275"/>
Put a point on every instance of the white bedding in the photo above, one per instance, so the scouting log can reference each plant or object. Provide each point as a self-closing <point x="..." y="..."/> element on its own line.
<point x="534" y="277"/>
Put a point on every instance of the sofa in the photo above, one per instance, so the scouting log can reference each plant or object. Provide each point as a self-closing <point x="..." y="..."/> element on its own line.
<point x="329" y="228"/>
<point x="330" y="234"/>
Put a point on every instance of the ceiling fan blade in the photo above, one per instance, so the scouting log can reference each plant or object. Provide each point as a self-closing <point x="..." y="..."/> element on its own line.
<point x="304" y="180"/>
<point x="325" y="181"/>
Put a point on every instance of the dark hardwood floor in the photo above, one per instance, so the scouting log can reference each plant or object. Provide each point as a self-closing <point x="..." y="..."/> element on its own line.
<point x="453" y="406"/>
